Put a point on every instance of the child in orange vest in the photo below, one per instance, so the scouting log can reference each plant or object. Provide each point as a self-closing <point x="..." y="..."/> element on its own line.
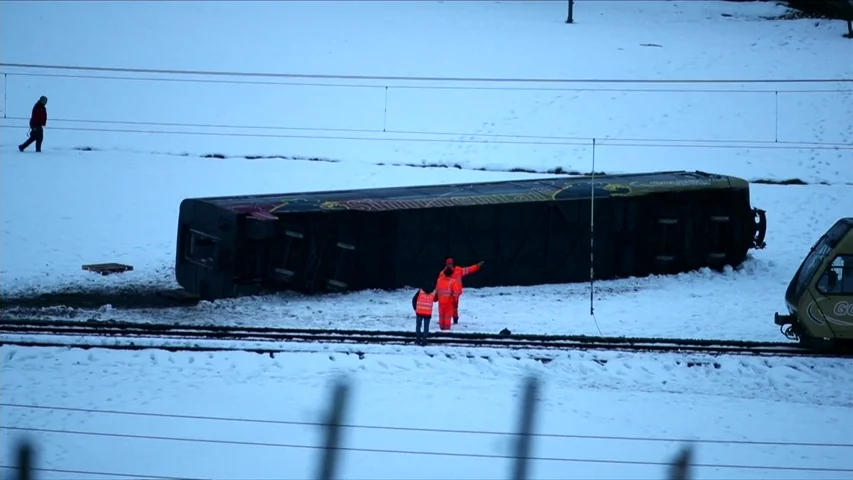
<point x="422" y="304"/>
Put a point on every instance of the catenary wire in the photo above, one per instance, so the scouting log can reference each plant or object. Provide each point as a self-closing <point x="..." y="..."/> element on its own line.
<point x="427" y="87"/>
<point x="456" y="134"/>
<point x="599" y="142"/>
<point x="426" y="430"/>
<point x="102" y="474"/>
<point x="308" y="137"/>
<point x="389" y="451"/>
<point x="417" y="78"/>
<point x="157" y="477"/>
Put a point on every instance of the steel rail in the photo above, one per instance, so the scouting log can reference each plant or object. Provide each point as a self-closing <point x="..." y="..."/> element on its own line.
<point x="98" y="326"/>
<point x="196" y="347"/>
<point x="154" y="332"/>
<point x="435" y="339"/>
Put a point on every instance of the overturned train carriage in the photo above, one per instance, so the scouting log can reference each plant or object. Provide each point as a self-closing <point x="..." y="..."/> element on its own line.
<point x="529" y="232"/>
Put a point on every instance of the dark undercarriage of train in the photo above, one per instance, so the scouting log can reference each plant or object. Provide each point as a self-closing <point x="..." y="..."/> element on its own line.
<point x="528" y="232"/>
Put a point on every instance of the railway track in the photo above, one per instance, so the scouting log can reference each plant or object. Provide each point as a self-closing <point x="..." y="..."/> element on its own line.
<point x="21" y="332"/>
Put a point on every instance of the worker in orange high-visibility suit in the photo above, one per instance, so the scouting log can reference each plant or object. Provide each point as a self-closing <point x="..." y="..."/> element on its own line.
<point x="422" y="304"/>
<point x="447" y="289"/>
<point x="458" y="273"/>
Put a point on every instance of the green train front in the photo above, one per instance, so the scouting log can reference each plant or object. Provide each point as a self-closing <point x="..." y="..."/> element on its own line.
<point x="820" y="296"/>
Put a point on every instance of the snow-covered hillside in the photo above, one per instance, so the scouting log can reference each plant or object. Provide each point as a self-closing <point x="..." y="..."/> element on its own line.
<point x="638" y="126"/>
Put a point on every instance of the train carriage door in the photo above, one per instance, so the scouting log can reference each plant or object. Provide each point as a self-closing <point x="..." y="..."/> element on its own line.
<point x="834" y="296"/>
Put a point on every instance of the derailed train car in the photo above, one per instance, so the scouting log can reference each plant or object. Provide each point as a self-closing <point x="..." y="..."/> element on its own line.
<point x="529" y="232"/>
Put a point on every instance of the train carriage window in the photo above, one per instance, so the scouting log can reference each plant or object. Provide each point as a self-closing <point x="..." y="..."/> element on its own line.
<point x="838" y="278"/>
<point x="201" y="248"/>
<point x="808" y="269"/>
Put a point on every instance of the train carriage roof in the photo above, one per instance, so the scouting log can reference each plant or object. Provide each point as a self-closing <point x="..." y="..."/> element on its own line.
<point x="532" y="190"/>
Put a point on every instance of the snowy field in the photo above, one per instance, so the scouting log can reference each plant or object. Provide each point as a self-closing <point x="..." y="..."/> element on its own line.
<point x="798" y="214"/>
<point x="728" y="408"/>
<point x="123" y="149"/>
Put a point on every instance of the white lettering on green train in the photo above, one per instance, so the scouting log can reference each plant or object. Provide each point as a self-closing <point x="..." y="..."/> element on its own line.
<point x="844" y="309"/>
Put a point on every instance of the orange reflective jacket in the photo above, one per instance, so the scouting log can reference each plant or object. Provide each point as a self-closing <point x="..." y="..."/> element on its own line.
<point x="459" y="272"/>
<point x="447" y="287"/>
<point x="424" y="303"/>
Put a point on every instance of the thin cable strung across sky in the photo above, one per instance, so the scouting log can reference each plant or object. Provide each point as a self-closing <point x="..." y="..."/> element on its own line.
<point x="428" y="87"/>
<point x="487" y="138"/>
<point x="583" y="140"/>
<point x="418" y="78"/>
<point x="428" y="430"/>
<point x="90" y="473"/>
<point x="391" y="451"/>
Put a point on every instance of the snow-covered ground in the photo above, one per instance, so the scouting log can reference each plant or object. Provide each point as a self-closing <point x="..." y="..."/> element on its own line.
<point x="123" y="149"/>
<point x="77" y="233"/>
<point x="75" y="227"/>
<point x="757" y="130"/>
<point x="108" y="189"/>
<point x="643" y="397"/>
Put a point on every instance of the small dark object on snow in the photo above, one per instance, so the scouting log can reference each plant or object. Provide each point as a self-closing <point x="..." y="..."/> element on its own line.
<point x="107" y="268"/>
<point x="505" y="332"/>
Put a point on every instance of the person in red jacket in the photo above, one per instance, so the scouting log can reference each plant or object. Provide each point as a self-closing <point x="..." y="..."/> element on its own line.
<point x="447" y="290"/>
<point x="458" y="273"/>
<point x="38" y="120"/>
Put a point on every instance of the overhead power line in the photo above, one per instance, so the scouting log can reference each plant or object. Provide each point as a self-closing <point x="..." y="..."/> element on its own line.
<point x="388" y="451"/>
<point x="603" y="142"/>
<point x="90" y="473"/>
<point x="417" y="78"/>
<point x="430" y="87"/>
<point x="426" y="430"/>
<point x="585" y="140"/>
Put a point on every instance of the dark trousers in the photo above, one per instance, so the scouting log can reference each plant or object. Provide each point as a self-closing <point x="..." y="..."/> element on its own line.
<point x="36" y="135"/>
<point x="422" y="328"/>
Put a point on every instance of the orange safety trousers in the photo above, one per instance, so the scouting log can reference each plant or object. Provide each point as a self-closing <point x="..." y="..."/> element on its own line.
<point x="446" y="307"/>
<point x="455" y="307"/>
